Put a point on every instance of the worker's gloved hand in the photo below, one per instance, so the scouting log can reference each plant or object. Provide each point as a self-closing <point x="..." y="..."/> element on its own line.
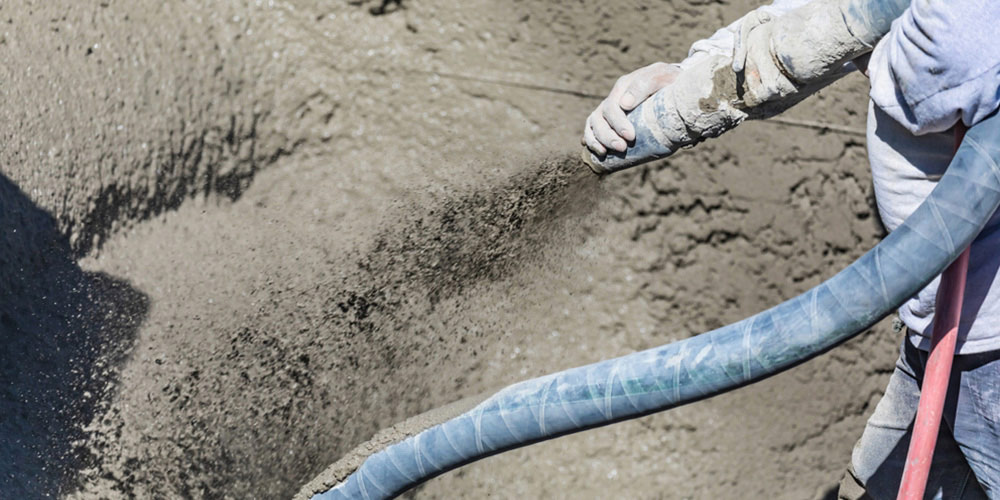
<point x="764" y="80"/>
<point x="748" y="23"/>
<point x="607" y="127"/>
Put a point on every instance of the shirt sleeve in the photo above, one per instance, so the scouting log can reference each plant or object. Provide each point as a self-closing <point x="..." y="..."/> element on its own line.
<point x="939" y="63"/>
<point x="723" y="40"/>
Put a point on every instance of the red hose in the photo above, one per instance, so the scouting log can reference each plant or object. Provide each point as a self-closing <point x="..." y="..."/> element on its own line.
<point x="947" y="312"/>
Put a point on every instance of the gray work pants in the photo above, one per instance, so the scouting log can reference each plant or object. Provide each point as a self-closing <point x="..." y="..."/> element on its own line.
<point x="966" y="462"/>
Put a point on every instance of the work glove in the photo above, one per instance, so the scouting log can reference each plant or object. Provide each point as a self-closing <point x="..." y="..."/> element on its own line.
<point x="607" y="126"/>
<point x="776" y="61"/>
<point x="763" y="79"/>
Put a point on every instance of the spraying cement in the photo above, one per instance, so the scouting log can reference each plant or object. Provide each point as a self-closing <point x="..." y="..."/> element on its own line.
<point x="294" y="173"/>
<point x="410" y="275"/>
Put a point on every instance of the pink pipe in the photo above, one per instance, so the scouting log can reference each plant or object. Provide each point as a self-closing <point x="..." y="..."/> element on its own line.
<point x="947" y="313"/>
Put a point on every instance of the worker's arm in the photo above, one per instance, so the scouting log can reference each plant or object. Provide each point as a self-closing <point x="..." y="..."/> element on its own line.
<point x="608" y="128"/>
<point x="939" y="63"/>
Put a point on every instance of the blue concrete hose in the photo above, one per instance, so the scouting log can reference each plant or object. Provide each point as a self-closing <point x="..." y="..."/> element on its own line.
<point x="705" y="365"/>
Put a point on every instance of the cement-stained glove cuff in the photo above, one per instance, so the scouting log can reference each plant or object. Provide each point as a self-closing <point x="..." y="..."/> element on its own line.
<point x="748" y="23"/>
<point x="753" y="59"/>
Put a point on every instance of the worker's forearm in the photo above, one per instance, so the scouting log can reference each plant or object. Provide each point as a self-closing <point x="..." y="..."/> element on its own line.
<point x="722" y="42"/>
<point x="781" y="61"/>
<point x="705" y="101"/>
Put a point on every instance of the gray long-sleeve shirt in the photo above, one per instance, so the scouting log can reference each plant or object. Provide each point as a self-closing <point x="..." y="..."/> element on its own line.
<point x="939" y="64"/>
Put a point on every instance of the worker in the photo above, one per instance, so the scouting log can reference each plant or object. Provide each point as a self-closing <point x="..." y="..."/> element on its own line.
<point x="939" y="65"/>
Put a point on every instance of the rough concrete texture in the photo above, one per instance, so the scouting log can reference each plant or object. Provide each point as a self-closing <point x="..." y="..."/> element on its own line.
<point x="243" y="237"/>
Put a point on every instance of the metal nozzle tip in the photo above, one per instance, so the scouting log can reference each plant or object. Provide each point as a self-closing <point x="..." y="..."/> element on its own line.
<point x="588" y="157"/>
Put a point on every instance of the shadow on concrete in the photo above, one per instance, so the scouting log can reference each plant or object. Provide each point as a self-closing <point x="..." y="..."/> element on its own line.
<point x="63" y="334"/>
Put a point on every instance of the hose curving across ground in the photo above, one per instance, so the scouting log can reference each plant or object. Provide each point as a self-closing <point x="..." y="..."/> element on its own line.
<point x="727" y="358"/>
<point x="772" y="341"/>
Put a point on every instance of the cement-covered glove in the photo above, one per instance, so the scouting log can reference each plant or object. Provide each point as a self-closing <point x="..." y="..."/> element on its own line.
<point x="700" y="101"/>
<point x="684" y="116"/>
<point x="607" y="127"/>
<point x="776" y="62"/>
<point x="763" y="79"/>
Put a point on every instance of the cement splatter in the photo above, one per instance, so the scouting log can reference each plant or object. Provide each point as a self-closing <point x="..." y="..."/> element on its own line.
<point x="388" y="299"/>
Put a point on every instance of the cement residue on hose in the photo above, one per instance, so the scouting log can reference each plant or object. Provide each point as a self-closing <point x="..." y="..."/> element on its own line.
<point x="382" y="440"/>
